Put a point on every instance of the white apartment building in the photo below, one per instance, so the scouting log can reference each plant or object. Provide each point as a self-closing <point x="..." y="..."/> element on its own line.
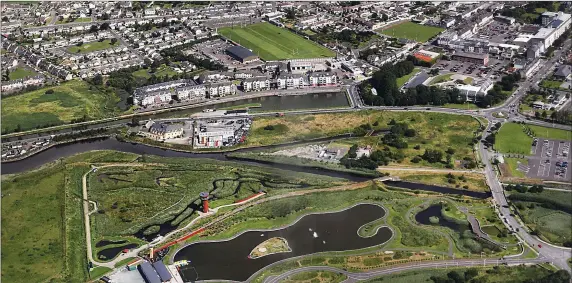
<point x="291" y="82"/>
<point x="192" y="92"/>
<point x="322" y="79"/>
<point x="256" y="84"/>
<point x="221" y="89"/>
<point x="156" y="98"/>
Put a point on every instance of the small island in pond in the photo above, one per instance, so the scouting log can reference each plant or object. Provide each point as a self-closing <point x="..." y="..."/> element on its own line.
<point x="271" y="246"/>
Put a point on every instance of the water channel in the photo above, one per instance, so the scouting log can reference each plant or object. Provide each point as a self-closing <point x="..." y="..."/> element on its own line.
<point x="438" y="189"/>
<point x="435" y="211"/>
<point x="268" y="103"/>
<point x="335" y="232"/>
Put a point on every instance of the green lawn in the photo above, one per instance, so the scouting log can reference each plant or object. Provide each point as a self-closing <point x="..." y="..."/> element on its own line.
<point x="551" y="84"/>
<point x="511" y="138"/>
<point x="550" y="133"/>
<point x="464" y="106"/>
<point x="512" y="164"/>
<point x="402" y="80"/>
<point x="413" y="31"/>
<point x="92" y="46"/>
<point x="441" y="78"/>
<point x="273" y="43"/>
<point x="70" y="100"/>
<point x="20" y="72"/>
<point x="553" y="225"/>
<point x="316" y="276"/>
<point x="78" y="20"/>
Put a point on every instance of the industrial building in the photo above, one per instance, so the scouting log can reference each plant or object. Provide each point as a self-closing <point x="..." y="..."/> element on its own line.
<point x="162" y="270"/>
<point x="474" y="58"/>
<point x="555" y="24"/>
<point x="160" y="131"/>
<point x="241" y="54"/>
<point x="149" y="273"/>
<point x="473" y="92"/>
<point x="213" y="133"/>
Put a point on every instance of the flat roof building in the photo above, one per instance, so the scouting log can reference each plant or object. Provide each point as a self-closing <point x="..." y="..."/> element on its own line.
<point x="475" y="58"/>
<point x="241" y="54"/>
<point x="164" y="274"/>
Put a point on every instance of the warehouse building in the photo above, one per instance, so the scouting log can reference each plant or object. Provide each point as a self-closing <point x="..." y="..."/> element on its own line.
<point x="241" y="54"/>
<point x="161" y="269"/>
<point x="474" y="58"/>
<point x="427" y="56"/>
<point x="149" y="273"/>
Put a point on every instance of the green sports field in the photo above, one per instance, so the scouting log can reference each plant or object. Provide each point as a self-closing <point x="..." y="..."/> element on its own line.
<point x="413" y="31"/>
<point x="274" y="43"/>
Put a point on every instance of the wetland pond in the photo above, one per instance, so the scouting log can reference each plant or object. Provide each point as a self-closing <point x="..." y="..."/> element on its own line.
<point x="314" y="233"/>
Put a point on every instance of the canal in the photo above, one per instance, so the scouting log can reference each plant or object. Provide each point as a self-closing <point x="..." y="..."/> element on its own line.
<point x="268" y="103"/>
<point x="228" y="260"/>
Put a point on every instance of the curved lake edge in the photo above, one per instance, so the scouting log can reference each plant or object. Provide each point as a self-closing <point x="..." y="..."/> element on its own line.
<point x="384" y="225"/>
<point x="279" y="252"/>
<point x="171" y="259"/>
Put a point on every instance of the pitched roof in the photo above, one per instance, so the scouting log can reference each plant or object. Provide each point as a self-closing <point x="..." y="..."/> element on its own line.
<point x="563" y="71"/>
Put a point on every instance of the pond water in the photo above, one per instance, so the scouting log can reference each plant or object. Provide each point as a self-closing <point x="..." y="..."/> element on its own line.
<point x="104" y="243"/>
<point x="435" y="211"/>
<point x="335" y="232"/>
<point x="110" y="253"/>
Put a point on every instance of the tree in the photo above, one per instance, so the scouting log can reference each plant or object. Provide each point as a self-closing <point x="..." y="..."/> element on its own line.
<point x="97" y="80"/>
<point x="544" y="114"/>
<point x="5" y="19"/>
<point x="93" y="29"/>
<point x="113" y="41"/>
<point x="291" y="14"/>
<point x="432" y="155"/>
<point x="374" y="16"/>
<point x="104" y="26"/>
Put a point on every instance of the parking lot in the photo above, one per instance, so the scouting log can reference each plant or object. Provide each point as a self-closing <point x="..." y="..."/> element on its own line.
<point x="550" y="161"/>
<point x="498" y="32"/>
<point x="494" y="70"/>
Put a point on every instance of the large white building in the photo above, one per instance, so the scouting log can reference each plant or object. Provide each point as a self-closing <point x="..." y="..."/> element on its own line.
<point x="322" y="79"/>
<point x="291" y="82"/>
<point x="256" y="84"/>
<point x="556" y="25"/>
<point x="221" y="89"/>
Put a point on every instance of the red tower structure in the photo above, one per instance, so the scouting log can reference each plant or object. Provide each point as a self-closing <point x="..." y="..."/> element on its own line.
<point x="205" y="198"/>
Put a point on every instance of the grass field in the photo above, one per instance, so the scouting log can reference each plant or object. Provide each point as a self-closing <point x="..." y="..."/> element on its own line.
<point x="434" y="131"/>
<point x="402" y="80"/>
<point x="464" y="106"/>
<point x="512" y="164"/>
<point x="316" y="276"/>
<point x="511" y="138"/>
<point x="441" y="79"/>
<point x="20" y="73"/>
<point x="273" y="43"/>
<point x="92" y="46"/>
<point x="413" y="31"/>
<point x="550" y="133"/>
<point x="551" y="84"/>
<point x="70" y="100"/>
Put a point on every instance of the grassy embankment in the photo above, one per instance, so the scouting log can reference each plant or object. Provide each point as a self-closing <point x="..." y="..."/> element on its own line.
<point x="468" y="181"/>
<point x="402" y="80"/>
<point x="69" y="101"/>
<point x="42" y="221"/>
<point x="434" y="131"/>
<point x="316" y="276"/>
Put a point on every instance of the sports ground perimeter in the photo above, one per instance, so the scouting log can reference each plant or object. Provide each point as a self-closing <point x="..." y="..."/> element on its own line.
<point x="274" y="43"/>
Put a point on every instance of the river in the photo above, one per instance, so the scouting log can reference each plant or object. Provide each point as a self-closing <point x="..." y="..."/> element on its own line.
<point x="335" y="232"/>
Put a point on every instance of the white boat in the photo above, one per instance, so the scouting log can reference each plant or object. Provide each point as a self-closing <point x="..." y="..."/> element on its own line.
<point x="315" y="235"/>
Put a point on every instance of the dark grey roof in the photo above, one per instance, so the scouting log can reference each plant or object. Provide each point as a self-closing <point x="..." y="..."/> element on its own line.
<point x="471" y="55"/>
<point x="563" y="71"/>
<point x="240" y="52"/>
<point x="149" y="273"/>
<point x="164" y="274"/>
<point x="159" y="128"/>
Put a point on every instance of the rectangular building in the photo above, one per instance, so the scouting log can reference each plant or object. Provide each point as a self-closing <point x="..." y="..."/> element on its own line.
<point x="474" y="58"/>
<point x="291" y="82"/>
<point x="322" y="79"/>
<point x="256" y="84"/>
<point x="149" y="272"/>
<point x="241" y="54"/>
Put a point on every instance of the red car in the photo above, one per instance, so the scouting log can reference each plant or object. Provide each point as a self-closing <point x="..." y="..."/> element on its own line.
<point x="540" y="246"/>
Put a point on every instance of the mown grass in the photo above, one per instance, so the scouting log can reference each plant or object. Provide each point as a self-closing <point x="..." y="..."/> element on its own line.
<point x="550" y="133"/>
<point x="69" y="101"/>
<point x="413" y="31"/>
<point x="316" y="276"/>
<point x="93" y="46"/>
<point x="511" y="138"/>
<point x="20" y="73"/>
<point x="402" y="80"/>
<point x="512" y="164"/>
<point x="274" y="43"/>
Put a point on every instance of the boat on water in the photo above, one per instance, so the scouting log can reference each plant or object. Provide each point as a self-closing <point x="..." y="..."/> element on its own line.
<point x="181" y="263"/>
<point x="157" y="239"/>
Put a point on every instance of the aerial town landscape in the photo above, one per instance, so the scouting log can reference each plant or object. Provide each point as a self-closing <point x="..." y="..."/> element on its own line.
<point x="286" y="141"/>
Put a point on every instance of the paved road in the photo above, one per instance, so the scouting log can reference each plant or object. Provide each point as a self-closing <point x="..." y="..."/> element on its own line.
<point x="354" y="276"/>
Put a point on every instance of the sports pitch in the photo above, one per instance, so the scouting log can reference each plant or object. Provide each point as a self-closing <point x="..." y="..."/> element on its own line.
<point x="413" y="31"/>
<point x="273" y="43"/>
